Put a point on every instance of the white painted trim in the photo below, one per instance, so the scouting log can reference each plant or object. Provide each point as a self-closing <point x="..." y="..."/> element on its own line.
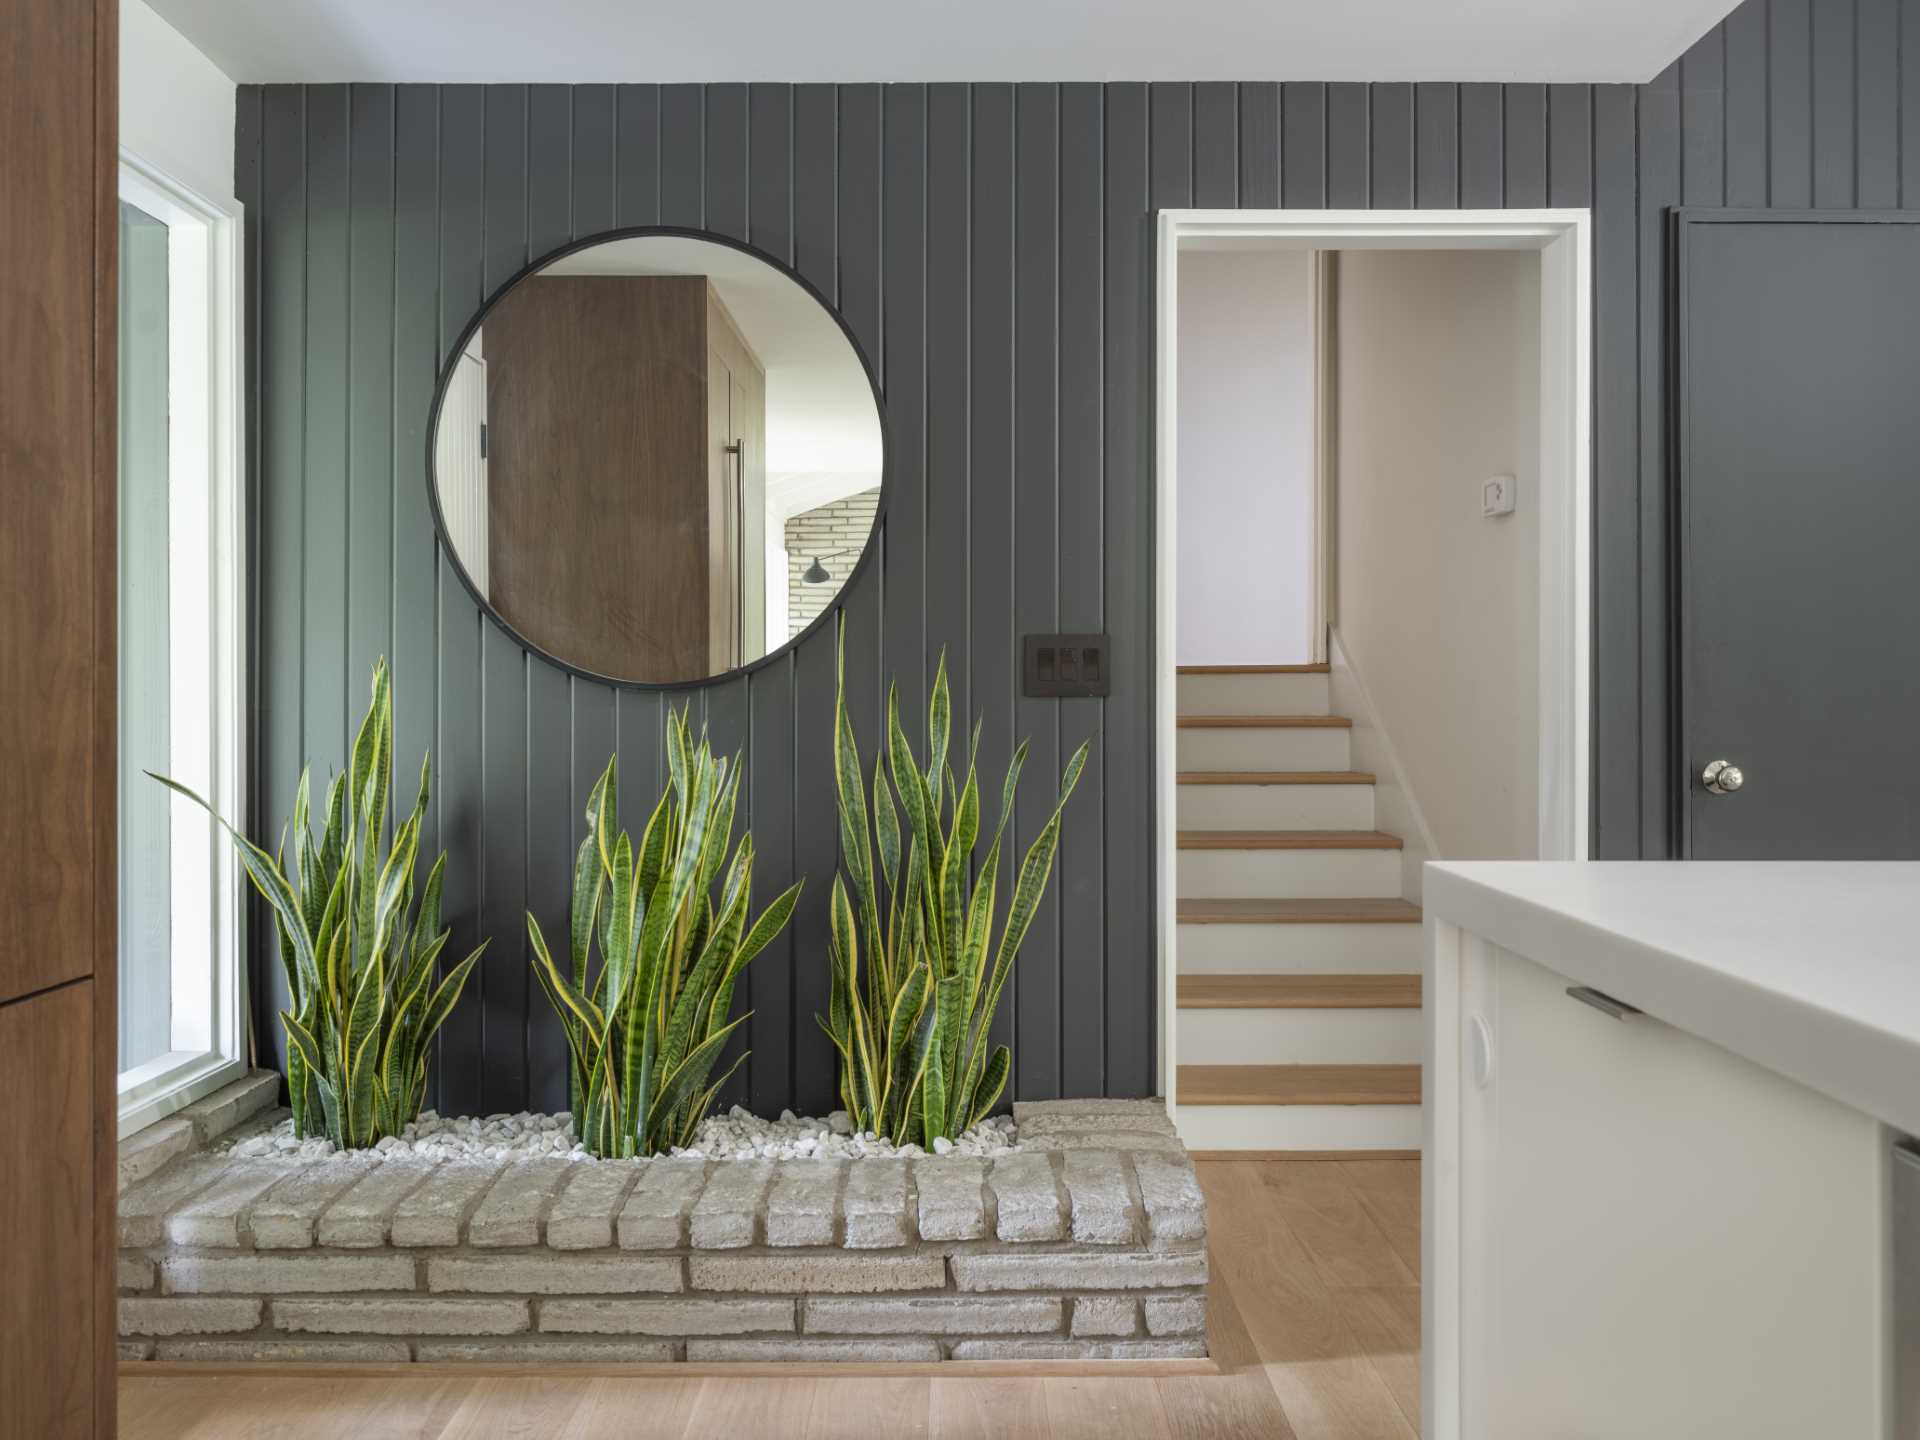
<point x="1394" y="800"/>
<point x="207" y="558"/>
<point x="1564" y="240"/>
<point x="1323" y="276"/>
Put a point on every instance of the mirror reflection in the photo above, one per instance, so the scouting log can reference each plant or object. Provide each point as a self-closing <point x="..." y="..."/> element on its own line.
<point x="657" y="458"/>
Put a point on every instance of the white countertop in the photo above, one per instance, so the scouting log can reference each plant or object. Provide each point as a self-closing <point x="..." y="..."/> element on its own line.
<point x="1809" y="969"/>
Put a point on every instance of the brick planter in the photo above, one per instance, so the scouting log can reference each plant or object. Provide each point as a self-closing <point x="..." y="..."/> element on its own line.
<point x="1094" y="1247"/>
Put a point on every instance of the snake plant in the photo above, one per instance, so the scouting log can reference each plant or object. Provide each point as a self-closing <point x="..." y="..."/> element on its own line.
<point x="359" y="958"/>
<point x="646" y="1026"/>
<point x="912" y="1027"/>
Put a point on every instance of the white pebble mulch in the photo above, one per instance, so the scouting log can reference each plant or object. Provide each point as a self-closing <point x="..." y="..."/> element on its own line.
<point x="737" y="1135"/>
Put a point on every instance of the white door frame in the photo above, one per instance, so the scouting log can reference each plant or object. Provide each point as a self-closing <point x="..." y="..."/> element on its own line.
<point x="1564" y="241"/>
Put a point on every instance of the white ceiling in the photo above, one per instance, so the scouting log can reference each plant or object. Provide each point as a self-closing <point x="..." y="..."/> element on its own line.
<point x="820" y="413"/>
<point x="916" y="40"/>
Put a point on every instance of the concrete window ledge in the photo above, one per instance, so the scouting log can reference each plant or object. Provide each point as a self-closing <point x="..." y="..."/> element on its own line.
<point x="1092" y="1247"/>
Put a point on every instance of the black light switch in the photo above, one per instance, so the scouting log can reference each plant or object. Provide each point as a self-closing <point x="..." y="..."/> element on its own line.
<point x="1062" y="666"/>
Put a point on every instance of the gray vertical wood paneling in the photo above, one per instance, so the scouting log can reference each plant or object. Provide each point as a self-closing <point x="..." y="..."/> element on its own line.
<point x="1303" y="145"/>
<point x="248" y="117"/>
<point x="1348" y="143"/>
<point x="1084" y="943"/>
<point x="1216" y="145"/>
<point x="1790" y="103"/>
<point x="991" y="248"/>
<point x="1436" y="146"/>
<point x="1260" y="145"/>
<point x="1035" y="542"/>
<point x="1909" y="102"/>
<point x="1524" y="128"/>
<point x="1391" y="146"/>
<point x="1482" y="148"/>
<point x="1127" y="560"/>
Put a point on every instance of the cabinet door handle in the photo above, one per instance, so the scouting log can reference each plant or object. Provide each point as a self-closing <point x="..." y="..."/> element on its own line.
<point x="1603" y="1002"/>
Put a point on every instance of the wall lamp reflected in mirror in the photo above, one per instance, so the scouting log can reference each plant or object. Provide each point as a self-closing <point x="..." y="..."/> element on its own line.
<point x="818" y="574"/>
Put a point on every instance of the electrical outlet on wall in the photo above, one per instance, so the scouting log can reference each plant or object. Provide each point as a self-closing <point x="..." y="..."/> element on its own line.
<point x="1496" y="495"/>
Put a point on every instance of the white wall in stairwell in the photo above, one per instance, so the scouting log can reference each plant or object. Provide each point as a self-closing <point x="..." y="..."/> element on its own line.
<point x="176" y="105"/>
<point x="1438" y="380"/>
<point x="1246" y="458"/>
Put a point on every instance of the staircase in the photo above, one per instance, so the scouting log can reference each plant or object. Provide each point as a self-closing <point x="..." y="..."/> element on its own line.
<point x="1299" y="983"/>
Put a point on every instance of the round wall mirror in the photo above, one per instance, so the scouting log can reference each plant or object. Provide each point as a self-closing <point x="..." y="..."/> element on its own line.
<point x="657" y="458"/>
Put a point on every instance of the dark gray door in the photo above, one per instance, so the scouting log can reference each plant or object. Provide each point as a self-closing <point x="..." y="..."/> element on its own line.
<point x="1798" y="449"/>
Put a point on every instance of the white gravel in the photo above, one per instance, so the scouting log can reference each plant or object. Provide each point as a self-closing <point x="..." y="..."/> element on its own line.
<point x="737" y="1135"/>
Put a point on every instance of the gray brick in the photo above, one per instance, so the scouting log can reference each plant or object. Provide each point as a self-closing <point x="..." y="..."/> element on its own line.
<point x="1036" y="1127"/>
<point x="1078" y="1350"/>
<point x="141" y="1212"/>
<point x="337" y="1352"/>
<point x="1176" y="1207"/>
<point x="283" y="1274"/>
<point x="804" y="1204"/>
<point x="1027" y="1198"/>
<point x="952" y="1197"/>
<point x="710" y="1352"/>
<point x="583" y="1215"/>
<point x="284" y="1218"/>
<point x="1026" y="1112"/>
<point x="193" y="1315"/>
<point x="142" y="1155"/>
<point x="1105" y="1315"/>
<point x="841" y="1273"/>
<point x="134" y="1350"/>
<point x="1115" y="1140"/>
<point x="217" y="1216"/>
<point x="436" y="1213"/>
<point x="878" y="1216"/>
<point x="655" y="1215"/>
<point x="402" y="1315"/>
<point x="688" y="1316"/>
<point x="553" y="1274"/>
<point x="1104" y="1212"/>
<point x="362" y="1216"/>
<point x="229" y="1105"/>
<point x="516" y="1203"/>
<point x="546" y="1352"/>
<point x="940" y="1315"/>
<point x="132" y="1272"/>
<point x="1125" y="1271"/>
<point x="727" y="1214"/>
<point x="1176" y="1314"/>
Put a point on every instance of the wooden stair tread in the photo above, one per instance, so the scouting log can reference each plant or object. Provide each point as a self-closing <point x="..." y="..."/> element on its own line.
<point x="1299" y="992"/>
<point x="1287" y="840"/>
<point x="1321" y="668"/>
<point x="1264" y="722"/>
<point x="1314" y="911"/>
<point x="1274" y="777"/>
<point x="1298" y="1085"/>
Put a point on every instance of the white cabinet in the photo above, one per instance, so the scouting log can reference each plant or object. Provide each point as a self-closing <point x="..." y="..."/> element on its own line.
<point x="1631" y="1230"/>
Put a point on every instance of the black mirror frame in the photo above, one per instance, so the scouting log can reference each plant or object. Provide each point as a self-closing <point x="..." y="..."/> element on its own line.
<point x="868" y="551"/>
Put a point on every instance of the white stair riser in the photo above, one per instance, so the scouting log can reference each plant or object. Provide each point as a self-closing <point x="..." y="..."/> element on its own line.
<point x="1298" y="949"/>
<point x="1276" y="807"/>
<point x="1300" y="1037"/>
<point x="1251" y="694"/>
<point x="1288" y="874"/>
<point x="1296" y="747"/>
<point x="1298" y="1127"/>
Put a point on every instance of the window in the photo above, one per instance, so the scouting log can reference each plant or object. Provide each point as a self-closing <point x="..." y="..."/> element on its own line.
<point x="182" y="986"/>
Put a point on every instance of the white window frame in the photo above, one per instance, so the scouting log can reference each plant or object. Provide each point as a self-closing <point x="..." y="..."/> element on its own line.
<point x="206" y="544"/>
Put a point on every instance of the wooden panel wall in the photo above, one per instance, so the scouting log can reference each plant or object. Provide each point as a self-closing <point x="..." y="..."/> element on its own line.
<point x="59" y="230"/>
<point x="990" y="245"/>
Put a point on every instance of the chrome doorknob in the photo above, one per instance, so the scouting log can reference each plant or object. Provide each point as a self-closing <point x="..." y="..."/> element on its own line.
<point x="1722" y="777"/>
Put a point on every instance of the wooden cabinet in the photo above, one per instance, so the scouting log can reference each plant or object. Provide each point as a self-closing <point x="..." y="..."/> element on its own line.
<point x="59" y="215"/>
<point x="617" y="514"/>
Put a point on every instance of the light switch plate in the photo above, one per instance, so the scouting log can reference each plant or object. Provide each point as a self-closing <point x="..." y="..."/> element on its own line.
<point x="1496" y="495"/>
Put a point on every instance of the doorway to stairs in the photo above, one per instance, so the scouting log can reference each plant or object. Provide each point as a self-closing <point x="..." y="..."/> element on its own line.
<point x="1290" y="834"/>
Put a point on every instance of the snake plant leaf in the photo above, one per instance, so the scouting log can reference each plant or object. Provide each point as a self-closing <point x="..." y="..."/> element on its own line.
<point x="986" y="1093"/>
<point x="939" y="730"/>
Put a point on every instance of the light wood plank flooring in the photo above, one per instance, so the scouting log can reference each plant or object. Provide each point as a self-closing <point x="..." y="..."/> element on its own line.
<point x="1316" y="1328"/>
